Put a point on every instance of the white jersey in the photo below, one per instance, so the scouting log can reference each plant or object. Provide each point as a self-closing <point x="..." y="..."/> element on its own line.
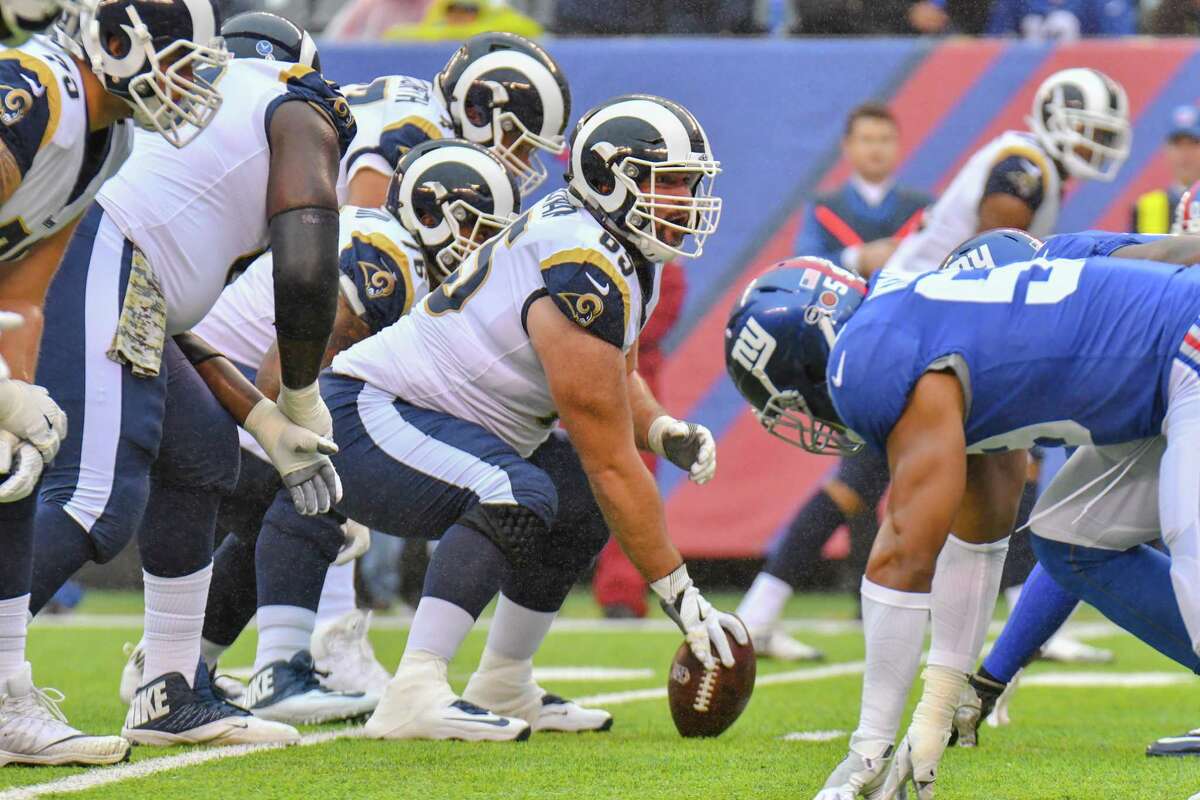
<point x="382" y="276"/>
<point x="464" y="350"/>
<point x="394" y="113"/>
<point x="44" y="113"/>
<point x="1012" y="163"/>
<point x="195" y="211"/>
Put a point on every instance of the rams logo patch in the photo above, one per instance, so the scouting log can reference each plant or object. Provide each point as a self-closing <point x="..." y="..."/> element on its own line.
<point x="378" y="281"/>
<point x="585" y="308"/>
<point x="17" y="103"/>
<point x="1026" y="181"/>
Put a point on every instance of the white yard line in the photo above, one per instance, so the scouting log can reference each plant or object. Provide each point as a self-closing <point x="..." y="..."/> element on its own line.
<point x="814" y="736"/>
<point x="103" y="776"/>
<point x="540" y="674"/>
<point x="1121" y="680"/>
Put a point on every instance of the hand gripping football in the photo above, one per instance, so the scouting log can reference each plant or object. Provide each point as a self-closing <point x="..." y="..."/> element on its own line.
<point x="705" y="702"/>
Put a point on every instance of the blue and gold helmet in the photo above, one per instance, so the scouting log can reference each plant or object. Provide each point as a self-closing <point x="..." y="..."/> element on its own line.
<point x="777" y="344"/>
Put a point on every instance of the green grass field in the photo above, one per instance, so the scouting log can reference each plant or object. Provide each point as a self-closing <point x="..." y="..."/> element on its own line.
<point x="1073" y="743"/>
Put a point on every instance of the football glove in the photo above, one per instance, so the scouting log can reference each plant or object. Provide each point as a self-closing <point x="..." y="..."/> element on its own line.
<point x="301" y="456"/>
<point x="27" y="412"/>
<point x="306" y="408"/>
<point x="22" y="463"/>
<point x="687" y="445"/>
<point x="357" y="541"/>
<point x="703" y="626"/>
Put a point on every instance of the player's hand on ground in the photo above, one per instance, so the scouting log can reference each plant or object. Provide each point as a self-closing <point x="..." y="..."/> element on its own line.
<point x="306" y="408"/>
<point x="300" y="456"/>
<point x="28" y="412"/>
<point x="357" y="541"/>
<point x="703" y="626"/>
<point x="21" y="465"/>
<point x="687" y="445"/>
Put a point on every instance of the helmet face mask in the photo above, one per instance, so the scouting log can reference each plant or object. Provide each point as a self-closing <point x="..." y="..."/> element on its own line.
<point x="452" y="246"/>
<point x="1081" y="117"/>
<point x="786" y="416"/>
<point x="660" y="221"/>
<point x="163" y="85"/>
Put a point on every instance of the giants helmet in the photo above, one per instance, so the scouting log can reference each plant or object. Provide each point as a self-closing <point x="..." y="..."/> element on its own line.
<point x="993" y="248"/>
<point x="1187" y="211"/>
<point x="777" y="345"/>
<point x="444" y="187"/>
<point x="260" y="34"/>
<point x="637" y="140"/>
<point x="1083" y="109"/>
<point x="506" y="93"/>
<point x="152" y="54"/>
<point x="22" y="18"/>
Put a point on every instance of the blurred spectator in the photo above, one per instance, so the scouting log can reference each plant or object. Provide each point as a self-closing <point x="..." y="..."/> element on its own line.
<point x="674" y="17"/>
<point x="1062" y="19"/>
<point x="1153" y="211"/>
<point x="366" y="20"/>
<point x="858" y="223"/>
<point x="462" y="19"/>
<point x="1174" y="18"/>
<point x="887" y="17"/>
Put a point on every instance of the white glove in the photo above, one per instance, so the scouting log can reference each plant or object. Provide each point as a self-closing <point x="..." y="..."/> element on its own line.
<point x="357" y="541"/>
<point x="906" y="768"/>
<point x="687" y="445"/>
<point x="306" y="408"/>
<point x="701" y="623"/>
<point x="301" y="456"/>
<point x="22" y="463"/>
<point x="27" y="412"/>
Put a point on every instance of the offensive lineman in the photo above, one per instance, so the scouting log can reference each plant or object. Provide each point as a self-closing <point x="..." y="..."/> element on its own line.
<point x="951" y="388"/>
<point x="153" y="254"/>
<point x="439" y="414"/>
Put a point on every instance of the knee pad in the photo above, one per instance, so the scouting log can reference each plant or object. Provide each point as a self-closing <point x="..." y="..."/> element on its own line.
<point x="520" y="533"/>
<point x="321" y="531"/>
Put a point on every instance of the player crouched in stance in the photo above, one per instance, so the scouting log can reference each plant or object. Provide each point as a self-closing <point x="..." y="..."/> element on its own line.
<point x="446" y="197"/>
<point x="1100" y="342"/>
<point x="441" y="417"/>
<point x="148" y="261"/>
<point x="65" y="133"/>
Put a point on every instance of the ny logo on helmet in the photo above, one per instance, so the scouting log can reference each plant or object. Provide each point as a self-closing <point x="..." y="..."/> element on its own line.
<point x="753" y="348"/>
<point x="979" y="258"/>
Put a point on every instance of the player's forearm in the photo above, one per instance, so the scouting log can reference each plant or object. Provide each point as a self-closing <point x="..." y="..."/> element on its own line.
<point x="233" y="391"/>
<point x="645" y="408"/>
<point x="633" y="509"/>
<point x="304" y="242"/>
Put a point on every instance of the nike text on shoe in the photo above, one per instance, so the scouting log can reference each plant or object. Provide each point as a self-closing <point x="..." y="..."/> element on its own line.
<point x="168" y="712"/>
<point x="288" y="691"/>
<point x="33" y="730"/>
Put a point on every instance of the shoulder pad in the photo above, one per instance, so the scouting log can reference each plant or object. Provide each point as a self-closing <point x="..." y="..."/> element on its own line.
<point x="590" y="291"/>
<point x="304" y="83"/>
<point x="380" y="277"/>
<point x="30" y="105"/>
<point x="1021" y="170"/>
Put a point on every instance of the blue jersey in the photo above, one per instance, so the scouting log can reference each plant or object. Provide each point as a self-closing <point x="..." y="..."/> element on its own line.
<point x="1050" y="352"/>
<point x="1091" y="243"/>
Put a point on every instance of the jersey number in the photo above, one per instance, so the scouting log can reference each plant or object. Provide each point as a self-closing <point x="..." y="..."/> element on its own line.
<point x="1046" y="285"/>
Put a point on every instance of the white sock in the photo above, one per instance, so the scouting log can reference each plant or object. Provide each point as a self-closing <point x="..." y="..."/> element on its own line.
<point x="1011" y="595"/>
<point x="517" y="632"/>
<point x="438" y="627"/>
<point x="14" y="622"/>
<point x="283" y="631"/>
<point x="966" y="582"/>
<point x="174" y="623"/>
<point x="763" y="604"/>
<point x="337" y="596"/>
<point x="211" y="652"/>
<point x="894" y="627"/>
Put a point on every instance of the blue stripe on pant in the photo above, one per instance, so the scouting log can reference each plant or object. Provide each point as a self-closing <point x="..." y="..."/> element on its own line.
<point x="414" y="472"/>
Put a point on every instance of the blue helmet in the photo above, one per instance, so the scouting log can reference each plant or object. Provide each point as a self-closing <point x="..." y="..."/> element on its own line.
<point x="993" y="248"/>
<point x="777" y="344"/>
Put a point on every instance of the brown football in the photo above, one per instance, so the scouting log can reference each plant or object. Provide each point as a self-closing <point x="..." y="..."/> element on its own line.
<point x="706" y="702"/>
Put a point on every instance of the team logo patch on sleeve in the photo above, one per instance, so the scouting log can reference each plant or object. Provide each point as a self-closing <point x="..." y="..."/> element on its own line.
<point x="584" y="308"/>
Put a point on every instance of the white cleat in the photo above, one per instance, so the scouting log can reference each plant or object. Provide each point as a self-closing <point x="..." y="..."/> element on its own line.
<point x="167" y="712"/>
<point x="909" y="766"/>
<point x="131" y="673"/>
<point x="774" y="643"/>
<point x="419" y="704"/>
<point x="507" y="687"/>
<point x="1063" y="649"/>
<point x="33" y="730"/>
<point x="288" y="691"/>
<point x="859" y="775"/>
<point x="344" y="654"/>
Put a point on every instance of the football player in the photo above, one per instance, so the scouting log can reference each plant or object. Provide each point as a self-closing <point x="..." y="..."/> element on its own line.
<point x="148" y="261"/>
<point x="446" y="198"/>
<point x="65" y="132"/>
<point x="20" y="19"/>
<point x="441" y="413"/>
<point x="952" y="390"/>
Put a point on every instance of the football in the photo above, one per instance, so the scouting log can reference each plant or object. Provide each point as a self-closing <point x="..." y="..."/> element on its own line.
<point x="705" y="702"/>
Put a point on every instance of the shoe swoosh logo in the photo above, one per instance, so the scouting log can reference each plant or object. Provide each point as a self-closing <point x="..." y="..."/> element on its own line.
<point x="601" y="289"/>
<point x="498" y="722"/>
<point x="836" y="378"/>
